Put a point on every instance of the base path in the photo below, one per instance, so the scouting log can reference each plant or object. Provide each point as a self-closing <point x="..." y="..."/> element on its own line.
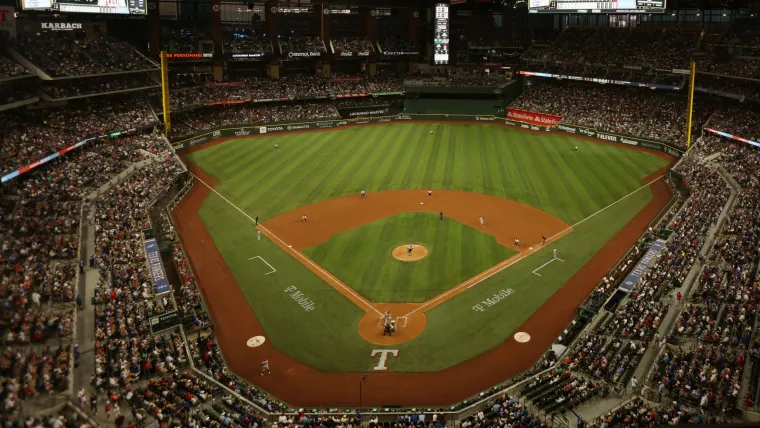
<point x="235" y="323"/>
<point x="402" y="253"/>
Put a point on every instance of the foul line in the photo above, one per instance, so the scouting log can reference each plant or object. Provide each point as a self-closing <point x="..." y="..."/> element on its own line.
<point x="511" y="261"/>
<point x="270" y="266"/>
<point x="298" y="253"/>
<point x="539" y="268"/>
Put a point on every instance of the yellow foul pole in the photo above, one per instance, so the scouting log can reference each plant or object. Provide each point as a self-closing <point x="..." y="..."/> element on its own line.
<point x="692" y="78"/>
<point x="165" y="93"/>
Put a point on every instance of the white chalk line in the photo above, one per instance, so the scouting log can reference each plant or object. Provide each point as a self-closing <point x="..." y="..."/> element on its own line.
<point x="270" y="266"/>
<point x="535" y="271"/>
<point x="297" y="253"/>
<point x="511" y="261"/>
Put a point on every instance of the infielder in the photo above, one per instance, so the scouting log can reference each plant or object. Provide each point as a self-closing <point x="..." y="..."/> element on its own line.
<point x="265" y="367"/>
<point x="303" y="218"/>
<point x="543" y="240"/>
<point x="430" y="193"/>
<point x="364" y="195"/>
<point x="517" y="243"/>
<point x="482" y="222"/>
<point x="258" y="234"/>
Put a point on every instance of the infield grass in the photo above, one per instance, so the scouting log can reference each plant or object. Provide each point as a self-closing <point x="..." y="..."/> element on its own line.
<point x="456" y="252"/>
<point x="538" y="170"/>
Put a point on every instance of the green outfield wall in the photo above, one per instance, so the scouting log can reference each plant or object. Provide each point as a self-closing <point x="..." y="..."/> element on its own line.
<point x="245" y="130"/>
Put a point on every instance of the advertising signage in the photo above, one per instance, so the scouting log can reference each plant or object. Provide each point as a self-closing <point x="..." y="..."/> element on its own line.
<point x="61" y="26"/>
<point x="245" y="55"/>
<point x="400" y="53"/>
<point x="304" y="54"/>
<point x="350" y="54"/>
<point x="191" y="55"/>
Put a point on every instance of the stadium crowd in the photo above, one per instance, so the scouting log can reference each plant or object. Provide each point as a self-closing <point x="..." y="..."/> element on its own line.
<point x="98" y="85"/>
<point x="10" y="68"/>
<point x="302" y="44"/>
<point x="214" y="117"/>
<point x="643" y="113"/>
<point x="32" y="135"/>
<point x="638" y="412"/>
<point x="351" y="44"/>
<point x="66" y="56"/>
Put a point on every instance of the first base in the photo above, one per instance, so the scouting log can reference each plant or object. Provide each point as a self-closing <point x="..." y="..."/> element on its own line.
<point x="422" y="203"/>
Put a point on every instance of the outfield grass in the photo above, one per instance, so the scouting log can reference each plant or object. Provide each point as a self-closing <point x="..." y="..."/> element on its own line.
<point x="361" y="257"/>
<point x="539" y="170"/>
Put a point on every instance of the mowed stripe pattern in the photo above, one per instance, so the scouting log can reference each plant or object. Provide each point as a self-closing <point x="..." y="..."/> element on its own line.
<point x="361" y="257"/>
<point x="538" y="170"/>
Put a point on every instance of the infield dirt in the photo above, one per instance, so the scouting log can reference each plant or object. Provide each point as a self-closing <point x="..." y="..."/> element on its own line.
<point x="301" y="385"/>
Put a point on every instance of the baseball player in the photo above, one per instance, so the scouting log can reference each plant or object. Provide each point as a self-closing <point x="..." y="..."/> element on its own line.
<point x="257" y="220"/>
<point x="276" y="146"/>
<point x="517" y="243"/>
<point x="543" y="240"/>
<point x="440" y="215"/>
<point x="430" y="193"/>
<point x="265" y="366"/>
<point x="258" y="234"/>
<point x="303" y="218"/>
<point x="482" y="222"/>
<point x="386" y="318"/>
<point x="409" y="250"/>
<point x="364" y="195"/>
<point x="555" y="253"/>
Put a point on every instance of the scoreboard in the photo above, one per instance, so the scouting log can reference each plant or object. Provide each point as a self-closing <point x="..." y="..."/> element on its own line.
<point x="120" y="7"/>
<point x="585" y="6"/>
<point x="441" y="35"/>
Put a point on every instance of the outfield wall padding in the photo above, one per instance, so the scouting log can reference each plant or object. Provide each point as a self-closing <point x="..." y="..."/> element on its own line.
<point x="182" y="144"/>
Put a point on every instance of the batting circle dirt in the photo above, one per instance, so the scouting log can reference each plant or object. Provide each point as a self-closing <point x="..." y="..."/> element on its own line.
<point x="402" y="253"/>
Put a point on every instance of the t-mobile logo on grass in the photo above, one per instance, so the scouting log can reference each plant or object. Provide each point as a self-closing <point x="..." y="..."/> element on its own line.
<point x="383" y="357"/>
<point x="496" y="298"/>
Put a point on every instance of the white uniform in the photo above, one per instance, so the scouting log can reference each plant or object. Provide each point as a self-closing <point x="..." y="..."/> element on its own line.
<point x="482" y="221"/>
<point x="555" y="253"/>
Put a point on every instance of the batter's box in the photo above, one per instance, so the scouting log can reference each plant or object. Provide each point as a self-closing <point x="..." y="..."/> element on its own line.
<point x="401" y="321"/>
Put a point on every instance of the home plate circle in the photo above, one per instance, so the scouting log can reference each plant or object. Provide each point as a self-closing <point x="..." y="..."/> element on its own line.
<point x="255" y="341"/>
<point x="522" y="337"/>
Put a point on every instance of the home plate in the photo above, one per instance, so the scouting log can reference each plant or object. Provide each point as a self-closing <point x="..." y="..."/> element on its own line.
<point x="255" y="341"/>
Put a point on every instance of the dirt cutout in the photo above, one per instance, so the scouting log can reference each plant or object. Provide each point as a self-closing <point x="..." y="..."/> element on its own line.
<point x="235" y="322"/>
<point x="409" y="253"/>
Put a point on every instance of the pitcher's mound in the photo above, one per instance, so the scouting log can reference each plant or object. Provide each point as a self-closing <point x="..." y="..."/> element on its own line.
<point x="402" y="253"/>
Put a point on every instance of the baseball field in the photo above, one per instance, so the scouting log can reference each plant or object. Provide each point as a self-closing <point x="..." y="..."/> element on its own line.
<point x="317" y="274"/>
